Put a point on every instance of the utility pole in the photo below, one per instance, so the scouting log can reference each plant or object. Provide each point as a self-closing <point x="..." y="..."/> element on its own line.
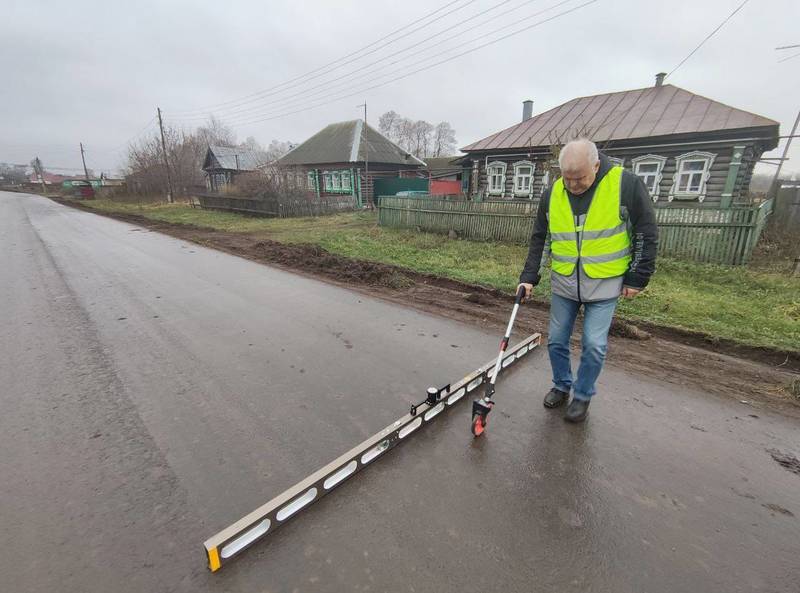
<point x="170" y="194"/>
<point x="39" y="170"/>
<point x="366" y="158"/>
<point x="773" y="189"/>
<point x="85" y="170"/>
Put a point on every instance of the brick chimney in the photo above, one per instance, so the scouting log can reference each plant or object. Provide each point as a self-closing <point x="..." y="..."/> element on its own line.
<point x="660" y="78"/>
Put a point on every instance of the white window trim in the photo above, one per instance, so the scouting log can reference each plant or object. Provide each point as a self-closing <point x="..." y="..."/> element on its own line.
<point x="700" y="194"/>
<point x="545" y="181"/>
<point x="527" y="192"/>
<point x="311" y="180"/>
<point x="326" y="181"/>
<point x="502" y="190"/>
<point x="336" y="181"/>
<point x="650" y="159"/>
<point x="346" y="177"/>
<point x="619" y="161"/>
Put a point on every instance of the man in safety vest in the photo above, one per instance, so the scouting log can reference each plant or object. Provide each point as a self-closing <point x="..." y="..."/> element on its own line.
<point x="603" y="240"/>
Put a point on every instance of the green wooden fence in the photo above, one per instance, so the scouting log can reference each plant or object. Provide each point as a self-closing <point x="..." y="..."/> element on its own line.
<point x="713" y="235"/>
<point x="284" y="208"/>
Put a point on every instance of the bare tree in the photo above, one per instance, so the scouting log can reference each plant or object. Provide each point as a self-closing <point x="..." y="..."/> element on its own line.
<point x="145" y="165"/>
<point x="277" y="149"/>
<point x="12" y="174"/>
<point x="387" y="125"/>
<point x="422" y="138"/>
<point x="418" y="137"/>
<point x="444" y="140"/>
<point x="216" y="133"/>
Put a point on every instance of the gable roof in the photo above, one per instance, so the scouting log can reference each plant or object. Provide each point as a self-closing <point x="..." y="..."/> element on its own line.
<point x="229" y="157"/>
<point x="348" y="142"/>
<point x="641" y="113"/>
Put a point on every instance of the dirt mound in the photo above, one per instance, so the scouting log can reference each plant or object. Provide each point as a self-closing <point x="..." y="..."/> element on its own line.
<point x="316" y="260"/>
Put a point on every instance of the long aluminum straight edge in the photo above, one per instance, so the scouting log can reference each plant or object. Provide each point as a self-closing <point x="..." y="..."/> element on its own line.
<point x="233" y="540"/>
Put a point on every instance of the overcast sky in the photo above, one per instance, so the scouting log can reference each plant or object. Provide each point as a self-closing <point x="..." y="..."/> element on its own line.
<point x="94" y="71"/>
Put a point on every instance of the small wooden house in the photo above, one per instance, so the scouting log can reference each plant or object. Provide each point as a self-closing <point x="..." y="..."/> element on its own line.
<point x="223" y="163"/>
<point x="335" y="160"/>
<point x="685" y="147"/>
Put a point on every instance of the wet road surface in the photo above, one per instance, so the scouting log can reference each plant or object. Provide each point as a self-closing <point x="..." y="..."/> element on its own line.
<point x="153" y="392"/>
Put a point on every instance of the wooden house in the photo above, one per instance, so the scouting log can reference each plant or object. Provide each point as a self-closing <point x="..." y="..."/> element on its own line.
<point x="687" y="148"/>
<point x="335" y="160"/>
<point x="223" y="163"/>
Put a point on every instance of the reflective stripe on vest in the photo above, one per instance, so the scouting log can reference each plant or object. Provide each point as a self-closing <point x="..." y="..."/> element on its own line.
<point x="603" y="238"/>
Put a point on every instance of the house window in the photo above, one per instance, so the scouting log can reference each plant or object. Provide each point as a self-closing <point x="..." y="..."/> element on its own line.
<point x="496" y="175"/>
<point x="311" y="180"/>
<point x="336" y="181"/>
<point x="691" y="174"/>
<point x="326" y="181"/>
<point x="523" y="178"/>
<point x="649" y="169"/>
<point x="346" y="180"/>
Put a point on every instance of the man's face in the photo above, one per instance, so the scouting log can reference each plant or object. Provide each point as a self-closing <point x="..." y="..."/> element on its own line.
<point x="579" y="177"/>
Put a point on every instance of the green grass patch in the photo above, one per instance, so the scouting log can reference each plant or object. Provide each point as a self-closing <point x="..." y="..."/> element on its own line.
<point x="751" y="306"/>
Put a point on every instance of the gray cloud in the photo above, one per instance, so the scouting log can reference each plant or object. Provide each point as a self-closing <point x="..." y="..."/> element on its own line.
<point x="94" y="71"/>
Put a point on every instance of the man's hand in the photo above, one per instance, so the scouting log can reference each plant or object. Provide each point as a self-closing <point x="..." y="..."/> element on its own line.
<point x="528" y="290"/>
<point x="629" y="292"/>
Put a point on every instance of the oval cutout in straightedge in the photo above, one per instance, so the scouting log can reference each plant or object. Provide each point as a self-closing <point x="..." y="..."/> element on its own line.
<point x="340" y="475"/>
<point x="474" y="383"/>
<point x="297" y="504"/>
<point x="456" y="396"/>
<point x="434" y="411"/>
<point x="244" y="540"/>
<point x="409" y="428"/>
<point x="374" y="452"/>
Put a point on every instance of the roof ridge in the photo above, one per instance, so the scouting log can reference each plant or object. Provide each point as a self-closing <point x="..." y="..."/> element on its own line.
<point x="355" y="145"/>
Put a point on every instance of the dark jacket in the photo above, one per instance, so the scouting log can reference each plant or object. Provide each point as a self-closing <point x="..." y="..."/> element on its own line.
<point x="636" y="208"/>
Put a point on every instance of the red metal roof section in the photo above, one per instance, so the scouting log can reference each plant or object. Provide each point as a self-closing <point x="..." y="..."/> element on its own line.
<point x="640" y="113"/>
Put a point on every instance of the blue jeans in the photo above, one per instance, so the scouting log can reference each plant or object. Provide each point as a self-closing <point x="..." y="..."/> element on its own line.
<point x="596" y="323"/>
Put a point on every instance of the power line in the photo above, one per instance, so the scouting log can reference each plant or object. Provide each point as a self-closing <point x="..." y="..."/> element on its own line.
<point x="119" y="147"/>
<point x="250" y="117"/>
<point x="787" y="47"/>
<point x="789" y="58"/>
<point x="710" y="35"/>
<point x="360" y="69"/>
<point x="361" y="73"/>
<point x="428" y="67"/>
<point x="383" y="41"/>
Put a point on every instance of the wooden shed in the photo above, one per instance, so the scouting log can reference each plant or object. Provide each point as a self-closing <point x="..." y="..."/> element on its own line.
<point x="223" y="163"/>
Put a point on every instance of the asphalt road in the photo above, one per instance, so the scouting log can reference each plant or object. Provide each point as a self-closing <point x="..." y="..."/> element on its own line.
<point x="153" y="391"/>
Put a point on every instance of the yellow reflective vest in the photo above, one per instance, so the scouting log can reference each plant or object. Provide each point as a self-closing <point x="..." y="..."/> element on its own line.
<point x="601" y="243"/>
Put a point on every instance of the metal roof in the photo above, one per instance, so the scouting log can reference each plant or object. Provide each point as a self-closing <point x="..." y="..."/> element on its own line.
<point x="229" y="157"/>
<point x="347" y="142"/>
<point x="641" y="113"/>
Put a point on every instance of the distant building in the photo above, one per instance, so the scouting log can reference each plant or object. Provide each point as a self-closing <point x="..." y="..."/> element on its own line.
<point x="223" y="163"/>
<point x="335" y="160"/>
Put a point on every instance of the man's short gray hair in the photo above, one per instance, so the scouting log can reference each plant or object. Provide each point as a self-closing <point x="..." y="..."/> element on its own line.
<point x="582" y="147"/>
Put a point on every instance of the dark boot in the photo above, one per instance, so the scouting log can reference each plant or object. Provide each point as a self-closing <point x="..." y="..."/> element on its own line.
<point x="577" y="410"/>
<point x="555" y="398"/>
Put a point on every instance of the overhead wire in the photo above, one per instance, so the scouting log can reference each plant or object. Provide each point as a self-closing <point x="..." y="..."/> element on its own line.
<point x="709" y="36"/>
<point x="382" y="64"/>
<point x="428" y="67"/>
<point x="382" y="42"/>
